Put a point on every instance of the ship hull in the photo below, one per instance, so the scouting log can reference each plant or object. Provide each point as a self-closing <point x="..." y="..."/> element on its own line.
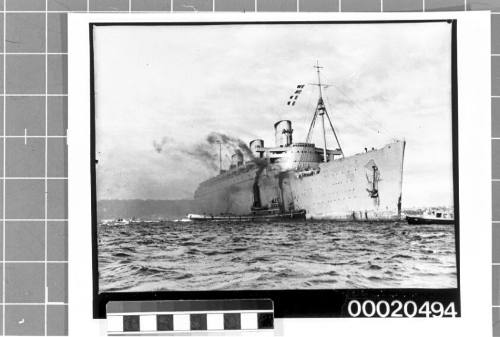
<point x="341" y="189"/>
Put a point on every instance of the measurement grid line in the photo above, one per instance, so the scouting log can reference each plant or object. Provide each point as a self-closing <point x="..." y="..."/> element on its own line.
<point x="493" y="12"/>
<point x="33" y="178"/>
<point x="46" y="164"/>
<point x="37" y="261"/>
<point x="3" y="183"/>
<point x="32" y="53"/>
<point x="495" y="223"/>
<point x="46" y="178"/>
<point x="28" y="136"/>
<point x="35" y="303"/>
<point x="66" y="12"/>
<point x="35" y="220"/>
<point x="34" y="95"/>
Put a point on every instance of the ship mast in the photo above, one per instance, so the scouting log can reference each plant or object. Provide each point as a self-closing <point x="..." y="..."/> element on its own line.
<point x="321" y="111"/>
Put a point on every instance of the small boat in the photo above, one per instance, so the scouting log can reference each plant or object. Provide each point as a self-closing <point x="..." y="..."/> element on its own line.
<point x="121" y="221"/>
<point x="435" y="218"/>
<point x="184" y="219"/>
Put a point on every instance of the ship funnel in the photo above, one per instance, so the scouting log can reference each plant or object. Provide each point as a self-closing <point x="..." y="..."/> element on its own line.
<point x="255" y="146"/>
<point x="283" y="133"/>
<point x="237" y="159"/>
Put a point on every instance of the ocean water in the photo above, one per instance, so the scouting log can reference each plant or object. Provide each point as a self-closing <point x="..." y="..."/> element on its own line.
<point x="302" y="255"/>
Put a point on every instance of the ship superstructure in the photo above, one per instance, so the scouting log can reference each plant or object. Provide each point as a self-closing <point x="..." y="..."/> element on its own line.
<point x="301" y="176"/>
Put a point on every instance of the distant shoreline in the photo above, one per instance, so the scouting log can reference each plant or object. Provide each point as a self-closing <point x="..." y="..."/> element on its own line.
<point x="150" y="209"/>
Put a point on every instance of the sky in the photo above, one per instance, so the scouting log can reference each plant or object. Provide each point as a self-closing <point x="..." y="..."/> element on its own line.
<point x="161" y="90"/>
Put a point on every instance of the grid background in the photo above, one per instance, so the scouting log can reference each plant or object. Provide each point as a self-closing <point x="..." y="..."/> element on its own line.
<point x="33" y="147"/>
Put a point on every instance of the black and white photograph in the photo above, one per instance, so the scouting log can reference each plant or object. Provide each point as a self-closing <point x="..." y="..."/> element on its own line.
<point x="274" y="156"/>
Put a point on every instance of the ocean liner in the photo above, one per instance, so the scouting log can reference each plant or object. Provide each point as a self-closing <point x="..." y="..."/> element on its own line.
<point x="299" y="178"/>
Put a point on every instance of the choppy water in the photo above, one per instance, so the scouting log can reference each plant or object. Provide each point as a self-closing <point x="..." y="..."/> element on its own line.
<point x="234" y="256"/>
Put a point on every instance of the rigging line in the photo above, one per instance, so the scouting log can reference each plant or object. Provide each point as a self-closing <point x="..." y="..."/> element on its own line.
<point x="311" y="127"/>
<point x="309" y="101"/>
<point x="361" y="110"/>
<point x="334" y="133"/>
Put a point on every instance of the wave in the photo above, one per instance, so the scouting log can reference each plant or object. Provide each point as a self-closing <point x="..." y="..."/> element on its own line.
<point x="401" y="256"/>
<point x="121" y="255"/>
<point x="169" y="256"/>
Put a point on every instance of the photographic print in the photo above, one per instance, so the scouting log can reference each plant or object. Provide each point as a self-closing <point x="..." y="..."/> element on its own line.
<point x="274" y="156"/>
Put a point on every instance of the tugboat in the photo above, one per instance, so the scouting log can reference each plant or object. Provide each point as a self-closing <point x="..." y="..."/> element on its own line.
<point x="272" y="213"/>
<point x="434" y="218"/>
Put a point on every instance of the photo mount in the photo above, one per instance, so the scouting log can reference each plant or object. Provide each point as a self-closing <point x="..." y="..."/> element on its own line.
<point x="287" y="303"/>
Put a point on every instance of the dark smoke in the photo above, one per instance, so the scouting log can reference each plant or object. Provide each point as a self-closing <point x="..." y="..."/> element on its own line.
<point x="230" y="143"/>
<point x="159" y="146"/>
<point x="207" y="152"/>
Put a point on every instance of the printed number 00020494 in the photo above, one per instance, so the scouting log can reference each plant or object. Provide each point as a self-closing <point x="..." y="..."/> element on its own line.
<point x="397" y="308"/>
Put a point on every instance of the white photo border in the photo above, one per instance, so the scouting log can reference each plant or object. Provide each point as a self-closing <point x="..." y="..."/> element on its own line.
<point x="474" y="145"/>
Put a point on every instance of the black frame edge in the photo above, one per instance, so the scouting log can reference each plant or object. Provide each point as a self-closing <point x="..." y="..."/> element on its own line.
<point x="317" y="302"/>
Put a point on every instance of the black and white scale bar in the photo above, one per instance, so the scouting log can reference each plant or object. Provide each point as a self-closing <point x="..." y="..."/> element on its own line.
<point x="136" y="317"/>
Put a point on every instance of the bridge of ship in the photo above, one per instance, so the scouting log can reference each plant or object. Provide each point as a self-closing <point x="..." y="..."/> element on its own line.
<point x="296" y="156"/>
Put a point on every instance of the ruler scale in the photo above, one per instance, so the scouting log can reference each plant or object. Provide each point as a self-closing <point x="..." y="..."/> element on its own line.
<point x="188" y="317"/>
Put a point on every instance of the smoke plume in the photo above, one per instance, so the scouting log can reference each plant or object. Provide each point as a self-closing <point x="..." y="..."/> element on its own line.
<point x="207" y="152"/>
<point x="230" y="143"/>
<point x="204" y="153"/>
<point x="163" y="143"/>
